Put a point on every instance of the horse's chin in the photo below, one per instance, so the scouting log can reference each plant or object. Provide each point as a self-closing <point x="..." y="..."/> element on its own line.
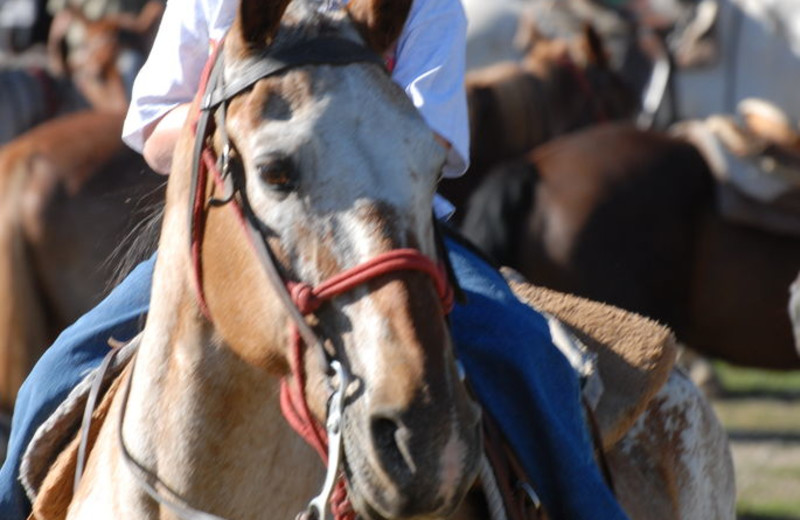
<point x="370" y="505"/>
<point x="374" y="497"/>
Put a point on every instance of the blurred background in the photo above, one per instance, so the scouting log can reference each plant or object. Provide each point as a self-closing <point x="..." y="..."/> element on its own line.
<point x="644" y="153"/>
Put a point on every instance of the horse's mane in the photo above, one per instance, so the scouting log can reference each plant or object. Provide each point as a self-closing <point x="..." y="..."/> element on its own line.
<point x="142" y="241"/>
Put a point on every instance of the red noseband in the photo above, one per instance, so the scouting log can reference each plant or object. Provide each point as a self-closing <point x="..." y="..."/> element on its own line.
<point x="308" y="299"/>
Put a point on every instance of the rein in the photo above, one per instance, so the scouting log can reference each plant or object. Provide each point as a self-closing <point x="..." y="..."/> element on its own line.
<point x="299" y="299"/>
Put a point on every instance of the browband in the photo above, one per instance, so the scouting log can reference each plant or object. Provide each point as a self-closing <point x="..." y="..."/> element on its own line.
<point x="324" y="50"/>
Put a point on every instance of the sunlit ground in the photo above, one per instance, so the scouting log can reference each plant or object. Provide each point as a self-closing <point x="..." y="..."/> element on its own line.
<point x="761" y="411"/>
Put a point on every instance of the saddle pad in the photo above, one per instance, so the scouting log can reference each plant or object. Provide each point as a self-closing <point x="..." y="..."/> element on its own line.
<point x="635" y="355"/>
<point x="59" y="433"/>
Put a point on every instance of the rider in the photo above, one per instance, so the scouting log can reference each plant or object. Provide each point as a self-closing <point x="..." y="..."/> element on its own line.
<point x="504" y="346"/>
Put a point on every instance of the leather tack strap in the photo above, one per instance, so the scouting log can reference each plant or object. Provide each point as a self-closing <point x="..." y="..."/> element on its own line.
<point x="318" y="51"/>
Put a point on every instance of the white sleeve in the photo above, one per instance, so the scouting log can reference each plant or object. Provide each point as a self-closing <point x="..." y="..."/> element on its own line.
<point x="171" y="74"/>
<point x="430" y="67"/>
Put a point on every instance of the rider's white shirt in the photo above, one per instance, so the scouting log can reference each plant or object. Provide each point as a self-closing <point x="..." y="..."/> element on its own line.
<point x="429" y="66"/>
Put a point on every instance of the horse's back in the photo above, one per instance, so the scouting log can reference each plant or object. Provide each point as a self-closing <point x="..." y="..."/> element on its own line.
<point x="82" y="196"/>
<point x="614" y="204"/>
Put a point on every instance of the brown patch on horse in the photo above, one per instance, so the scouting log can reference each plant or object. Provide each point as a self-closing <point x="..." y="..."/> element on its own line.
<point x="380" y="22"/>
<point x="229" y="261"/>
<point x="635" y="354"/>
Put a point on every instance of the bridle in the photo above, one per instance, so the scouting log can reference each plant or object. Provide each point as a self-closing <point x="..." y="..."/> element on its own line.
<point x="299" y="299"/>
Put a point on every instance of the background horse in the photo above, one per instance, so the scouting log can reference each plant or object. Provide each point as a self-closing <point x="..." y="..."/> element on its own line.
<point x="628" y="217"/>
<point x="67" y="204"/>
<point x="216" y="340"/>
<point x="87" y="64"/>
<point x="70" y="193"/>
<point x="560" y="85"/>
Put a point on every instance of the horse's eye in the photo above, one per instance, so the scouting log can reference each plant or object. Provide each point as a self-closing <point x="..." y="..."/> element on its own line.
<point x="278" y="173"/>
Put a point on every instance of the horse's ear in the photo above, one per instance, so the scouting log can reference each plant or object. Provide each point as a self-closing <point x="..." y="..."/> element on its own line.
<point x="380" y="22"/>
<point x="256" y="23"/>
<point x="593" y="47"/>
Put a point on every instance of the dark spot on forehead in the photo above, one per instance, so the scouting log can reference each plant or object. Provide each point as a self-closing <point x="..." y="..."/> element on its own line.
<point x="274" y="98"/>
<point x="277" y="107"/>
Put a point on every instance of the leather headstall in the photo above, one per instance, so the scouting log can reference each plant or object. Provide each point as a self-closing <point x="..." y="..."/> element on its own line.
<point x="216" y="94"/>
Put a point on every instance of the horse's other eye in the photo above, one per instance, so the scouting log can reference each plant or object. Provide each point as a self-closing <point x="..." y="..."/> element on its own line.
<point x="278" y="173"/>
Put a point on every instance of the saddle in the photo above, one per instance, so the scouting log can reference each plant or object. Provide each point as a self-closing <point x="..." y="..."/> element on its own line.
<point x="627" y="357"/>
<point x="49" y="464"/>
<point x="757" y="176"/>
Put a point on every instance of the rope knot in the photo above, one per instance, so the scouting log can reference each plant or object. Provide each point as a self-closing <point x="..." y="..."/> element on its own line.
<point x="304" y="297"/>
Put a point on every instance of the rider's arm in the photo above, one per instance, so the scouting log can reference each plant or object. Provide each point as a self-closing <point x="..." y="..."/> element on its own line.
<point x="171" y="74"/>
<point x="430" y="67"/>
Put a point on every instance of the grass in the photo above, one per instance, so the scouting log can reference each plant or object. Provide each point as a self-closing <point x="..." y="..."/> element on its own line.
<point x="737" y="380"/>
<point x="761" y="410"/>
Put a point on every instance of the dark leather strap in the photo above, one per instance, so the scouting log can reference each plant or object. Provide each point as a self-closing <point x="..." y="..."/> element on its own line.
<point x="91" y="403"/>
<point x="318" y="51"/>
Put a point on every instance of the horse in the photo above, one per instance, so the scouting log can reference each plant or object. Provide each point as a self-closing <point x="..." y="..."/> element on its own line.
<point x="722" y="51"/>
<point x="86" y="64"/>
<point x="286" y="269"/>
<point x="500" y="31"/>
<point x="629" y="217"/>
<point x="69" y="203"/>
<point x="560" y="85"/>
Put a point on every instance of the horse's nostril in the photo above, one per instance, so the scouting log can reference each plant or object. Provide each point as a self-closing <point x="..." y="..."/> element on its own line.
<point x="391" y="442"/>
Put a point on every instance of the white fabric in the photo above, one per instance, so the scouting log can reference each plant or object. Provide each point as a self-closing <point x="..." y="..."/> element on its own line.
<point x="430" y="67"/>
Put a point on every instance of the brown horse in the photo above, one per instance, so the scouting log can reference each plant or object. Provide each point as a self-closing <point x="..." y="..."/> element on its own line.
<point x="67" y="204"/>
<point x="326" y="281"/>
<point x="628" y="217"/>
<point x="561" y="85"/>
<point x="70" y="192"/>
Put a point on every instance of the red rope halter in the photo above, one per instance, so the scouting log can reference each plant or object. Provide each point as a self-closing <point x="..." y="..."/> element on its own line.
<point x="305" y="298"/>
<point x="308" y="299"/>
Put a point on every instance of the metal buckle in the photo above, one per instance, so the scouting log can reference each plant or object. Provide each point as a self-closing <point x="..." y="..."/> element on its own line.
<point x="318" y="506"/>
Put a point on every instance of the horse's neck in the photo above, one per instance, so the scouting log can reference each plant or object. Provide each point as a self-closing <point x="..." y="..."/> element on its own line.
<point x="208" y="424"/>
<point x="512" y="115"/>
